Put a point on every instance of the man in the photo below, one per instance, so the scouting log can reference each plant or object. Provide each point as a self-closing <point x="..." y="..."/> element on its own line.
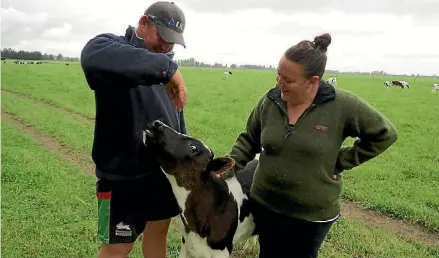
<point x="135" y="81"/>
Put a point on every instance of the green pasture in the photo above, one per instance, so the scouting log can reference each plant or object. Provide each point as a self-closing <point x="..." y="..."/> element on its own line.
<point x="49" y="206"/>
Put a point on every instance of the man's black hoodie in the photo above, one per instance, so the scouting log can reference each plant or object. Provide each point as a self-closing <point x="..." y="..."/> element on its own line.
<point x="127" y="81"/>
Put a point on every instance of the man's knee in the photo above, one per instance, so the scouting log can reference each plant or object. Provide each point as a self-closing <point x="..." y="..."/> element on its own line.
<point x="157" y="228"/>
<point x="115" y="250"/>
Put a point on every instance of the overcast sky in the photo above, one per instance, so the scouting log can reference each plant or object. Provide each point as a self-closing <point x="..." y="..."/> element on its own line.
<point x="397" y="36"/>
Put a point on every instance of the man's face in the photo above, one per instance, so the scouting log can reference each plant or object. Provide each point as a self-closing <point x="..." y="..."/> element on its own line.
<point x="150" y="34"/>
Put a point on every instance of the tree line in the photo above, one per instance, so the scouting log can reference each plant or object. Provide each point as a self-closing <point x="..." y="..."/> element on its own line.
<point x="191" y="62"/>
<point x="9" y="53"/>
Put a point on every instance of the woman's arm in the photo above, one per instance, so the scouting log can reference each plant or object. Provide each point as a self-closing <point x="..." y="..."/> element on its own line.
<point x="376" y="134"/>
<point x="248" y="143"/>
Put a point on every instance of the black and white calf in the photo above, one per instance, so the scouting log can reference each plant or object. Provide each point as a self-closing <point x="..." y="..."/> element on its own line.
<point x="215" y="210"/>
<point x="401" y="84"/>
<point x="435" y="87"/>
<point x="332" y="81"/>
<point x="387" y="84"/>
<point x="226" y="73"/>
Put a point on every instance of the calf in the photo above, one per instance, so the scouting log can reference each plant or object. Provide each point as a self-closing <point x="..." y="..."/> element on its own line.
<point x="215" y="211"/>
<point x="401" y="84"/>
<point x="332" y="80"/>
<point x="227" y="73"/>
<point x="435" y="87"/>
<point x="386" y="84"/>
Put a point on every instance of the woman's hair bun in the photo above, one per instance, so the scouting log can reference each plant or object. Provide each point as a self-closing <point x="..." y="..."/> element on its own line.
<point x="322" y="42"/>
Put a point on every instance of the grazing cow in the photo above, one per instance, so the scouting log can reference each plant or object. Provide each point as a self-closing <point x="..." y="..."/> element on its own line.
<point x="332" y="81"/>
<point x="435" y="87"/>
<point x="215" y="208"/>
<point x="401" y="84"/>
<point x="387" y="84"/>
<point x="227" y="73"/>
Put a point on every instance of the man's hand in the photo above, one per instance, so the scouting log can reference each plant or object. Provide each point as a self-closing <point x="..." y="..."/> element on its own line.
<point x="177" y="91"/>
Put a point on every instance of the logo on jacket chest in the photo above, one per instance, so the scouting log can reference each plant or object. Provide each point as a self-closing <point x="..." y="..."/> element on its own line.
<point x="320" y="127"/>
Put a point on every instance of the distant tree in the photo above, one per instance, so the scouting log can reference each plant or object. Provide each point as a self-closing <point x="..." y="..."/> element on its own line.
<point x="10" y="53"/>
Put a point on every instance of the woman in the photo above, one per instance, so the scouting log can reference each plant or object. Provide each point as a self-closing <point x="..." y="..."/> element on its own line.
<point x="300" y="126"/>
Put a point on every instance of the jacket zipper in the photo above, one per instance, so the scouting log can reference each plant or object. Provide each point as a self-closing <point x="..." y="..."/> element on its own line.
<point x="289" y="128"/>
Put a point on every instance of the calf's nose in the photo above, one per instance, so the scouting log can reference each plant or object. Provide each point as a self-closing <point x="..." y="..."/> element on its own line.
<point x="157" y="123"/>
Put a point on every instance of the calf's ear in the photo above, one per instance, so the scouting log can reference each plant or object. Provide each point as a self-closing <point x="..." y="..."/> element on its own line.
<point x="220" y="165"/>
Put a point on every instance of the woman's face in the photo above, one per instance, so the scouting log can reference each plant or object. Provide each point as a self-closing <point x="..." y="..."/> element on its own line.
<point x="295" y="87"/>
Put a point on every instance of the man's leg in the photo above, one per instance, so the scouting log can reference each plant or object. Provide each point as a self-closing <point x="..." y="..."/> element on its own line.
<point x="117" y="229"/>
<point x="115" y="250"/>
<point x="158" y="210"/>
<point x="155" y="238"/>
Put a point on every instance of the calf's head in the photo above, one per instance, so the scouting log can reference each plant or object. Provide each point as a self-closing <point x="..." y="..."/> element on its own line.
<point x="186" y="158"/>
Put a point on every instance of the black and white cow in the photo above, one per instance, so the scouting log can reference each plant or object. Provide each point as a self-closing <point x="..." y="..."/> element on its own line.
<point x="401" y="84"/>
<point x="387" y="84"/>
<point x="435" y="87"/>
<point x="226" y="73"/>
<point x="215" y="210"/>
<point x="332" y="81"/>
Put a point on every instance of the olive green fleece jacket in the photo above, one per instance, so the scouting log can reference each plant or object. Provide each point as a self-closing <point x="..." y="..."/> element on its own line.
<point x="297" y="162"/>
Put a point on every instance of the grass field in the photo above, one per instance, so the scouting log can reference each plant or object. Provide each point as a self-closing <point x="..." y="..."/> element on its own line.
<point x="48" y="199"/>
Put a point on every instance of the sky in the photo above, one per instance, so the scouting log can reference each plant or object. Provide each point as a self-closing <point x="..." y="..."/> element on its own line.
<point x="396" y="36"/>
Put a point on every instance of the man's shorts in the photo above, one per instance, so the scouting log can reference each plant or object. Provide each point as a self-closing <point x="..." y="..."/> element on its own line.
<point x="124" y="207"/>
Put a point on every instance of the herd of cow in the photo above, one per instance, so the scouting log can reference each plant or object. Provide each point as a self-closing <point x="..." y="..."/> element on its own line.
<point x="404" y="84"/>
<point x="332" y="80"/>
<point x="29" y="62"/>
<point x="387" y="84"/>
<point x="25" y="62"/>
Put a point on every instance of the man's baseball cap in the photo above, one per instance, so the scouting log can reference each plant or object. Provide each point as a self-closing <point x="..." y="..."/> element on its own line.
<point x="170" y="21"/>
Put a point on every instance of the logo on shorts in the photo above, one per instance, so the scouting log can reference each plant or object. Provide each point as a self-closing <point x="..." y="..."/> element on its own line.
<point x="123" y="230"/>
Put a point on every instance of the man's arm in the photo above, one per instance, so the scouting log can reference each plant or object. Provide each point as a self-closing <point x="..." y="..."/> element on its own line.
<point x="376" y="134"/>
<point x="248" y="143"/>
<point x="107" y="58"/>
